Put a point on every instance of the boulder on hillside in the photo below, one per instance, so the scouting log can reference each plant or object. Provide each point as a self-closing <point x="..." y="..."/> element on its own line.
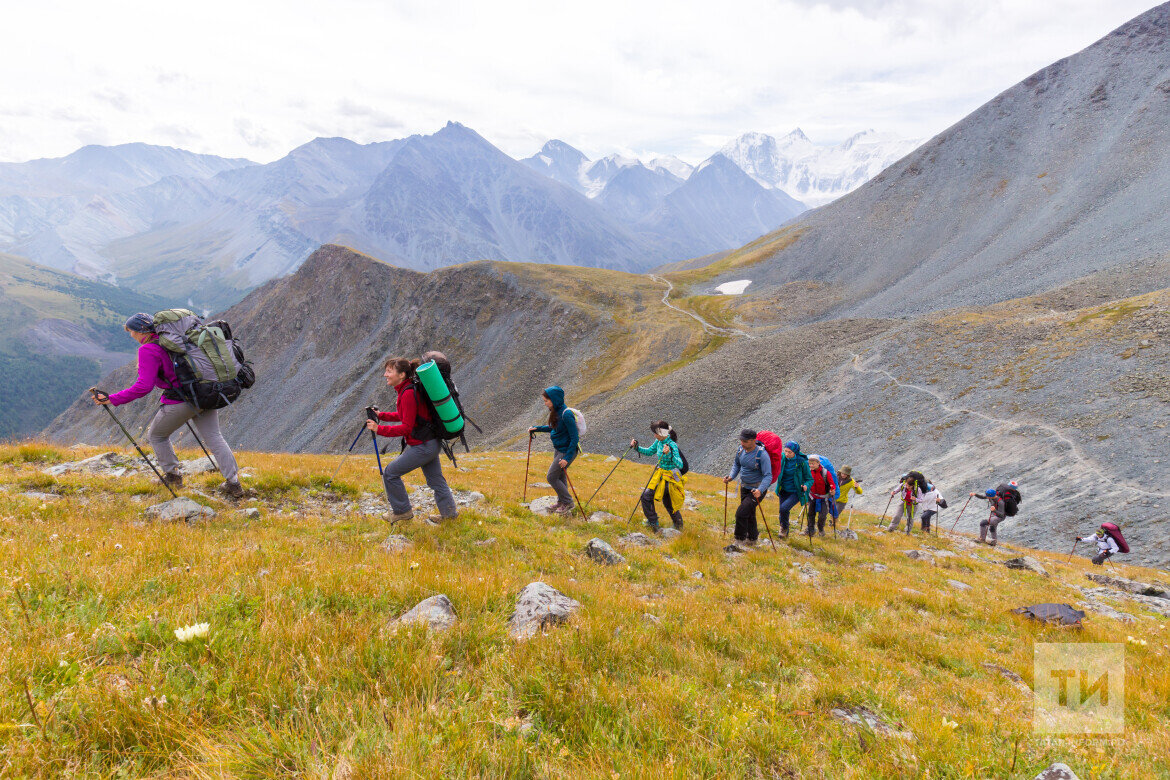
<point x="197" y="466"/>
<point x="603" y="517"/>
<point x="542" y="505"/>
<point x="1057" y="771"/>
<point x="1131" y="586"/>
<point x="422" y="499"/>
<point x="847" y="534"/>
<point x="108" y="464"/>
<point x="539" y="606"/>
<point x="540" y="485"/>
<point x="1026" y="563"/>
<point x="638" y="539"/>
<point x="957" y="585"/>
<point x="670" y="533"/>
<point x="181" y="508"/>
<point x="601" y="552"/>
<point x="34" y="495"/>
<point x="863" y="718"/>
<point x="436" y="613"/>
<point x="919" y="555"/>
<point x="396" y="543"/>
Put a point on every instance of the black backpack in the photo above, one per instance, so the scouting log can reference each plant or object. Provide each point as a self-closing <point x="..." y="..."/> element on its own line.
<point x="686" y="466"/>
<point x="426" y="430"/>
<point x="919" y="480"/>
<point x="1011" y="499"/>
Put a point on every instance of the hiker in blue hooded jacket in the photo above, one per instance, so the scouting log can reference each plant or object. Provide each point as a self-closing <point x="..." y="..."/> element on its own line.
<point x="793" y="483"/>
<point x="754" y="469"/>
<point x="562" y="430"/>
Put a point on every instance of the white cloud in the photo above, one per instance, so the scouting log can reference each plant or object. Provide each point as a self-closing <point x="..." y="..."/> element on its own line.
<point x="256" y="79"/>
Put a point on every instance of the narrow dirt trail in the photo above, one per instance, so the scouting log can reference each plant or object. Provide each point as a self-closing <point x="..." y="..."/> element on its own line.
<point x="714" y="330"/>
<point x="1056" y="433"/>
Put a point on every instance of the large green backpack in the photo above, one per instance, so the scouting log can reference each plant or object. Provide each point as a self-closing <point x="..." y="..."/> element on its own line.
<point x="208" y="362"/>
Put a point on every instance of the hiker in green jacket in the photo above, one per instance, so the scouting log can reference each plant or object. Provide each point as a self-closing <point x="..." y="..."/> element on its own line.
<point x="667" y="483"/>
<point x="793" y="483"/>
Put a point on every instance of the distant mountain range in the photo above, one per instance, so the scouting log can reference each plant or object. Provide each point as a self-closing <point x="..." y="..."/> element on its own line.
<point x="207" y="229"/>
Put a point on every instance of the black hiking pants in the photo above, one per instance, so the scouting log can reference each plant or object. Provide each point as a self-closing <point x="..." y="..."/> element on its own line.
<point x="818" y="510"/>
<point x="926" y="518"/>
<point x="746" y="528"/>
<point x="1100" y="558"/>
<point x="652" y="513"/>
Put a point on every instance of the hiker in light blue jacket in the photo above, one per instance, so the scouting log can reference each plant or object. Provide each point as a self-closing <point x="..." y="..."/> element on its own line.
<point x="753" y="467"/>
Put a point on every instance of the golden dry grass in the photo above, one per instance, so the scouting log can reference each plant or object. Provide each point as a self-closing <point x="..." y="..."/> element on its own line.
<point x="733" y="677"/>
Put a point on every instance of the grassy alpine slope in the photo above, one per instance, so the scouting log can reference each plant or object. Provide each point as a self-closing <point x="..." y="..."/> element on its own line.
<point x="661" y="673"/>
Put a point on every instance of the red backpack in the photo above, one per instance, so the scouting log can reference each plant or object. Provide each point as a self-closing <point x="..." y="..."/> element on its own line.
<point x="1115" y="534"/>
<point x="774" y="446"/>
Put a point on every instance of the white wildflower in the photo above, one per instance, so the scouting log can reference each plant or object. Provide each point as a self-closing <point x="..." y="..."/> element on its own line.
<point x="197" y="631"/>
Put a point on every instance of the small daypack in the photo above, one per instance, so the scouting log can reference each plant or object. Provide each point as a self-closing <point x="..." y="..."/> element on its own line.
<point x="581" y="426"/>
<point x="1114" y="533"/>
<point x="1011" y="499"/>
<point x="209" y="365"/>
<point x="774" y="446"/>
<point x="827" y="465"/>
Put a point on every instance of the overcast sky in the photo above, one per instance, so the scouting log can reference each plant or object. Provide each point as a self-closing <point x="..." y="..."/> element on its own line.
<point x="256" y="78"/>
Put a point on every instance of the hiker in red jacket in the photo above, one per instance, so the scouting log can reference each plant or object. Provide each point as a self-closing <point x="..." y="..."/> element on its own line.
<point x="823" y="491"/>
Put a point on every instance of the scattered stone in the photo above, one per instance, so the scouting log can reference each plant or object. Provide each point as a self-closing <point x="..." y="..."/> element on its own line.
<point x="176" y="509"/>
<point x="542" y="485"/>
<point x="1121" y="583"/>
<point x="807" y="573"/>
<point x="733" y="550"/>
<point x="638" y="539"/>
<point x="108" y="464"/>
<point x="1008" y="674"/>
<point x="603" y="517"/>
<point x="958" y="585"/>
<point x="485" y="542"/>
<point x="601" y="552"/>
<point x="651" y="618"/>
<point x="698" y="575"/>
<point x="877" y="567"/>
<point x="198" y="466"/>
<point x="422" y="499"/>
<point x="539" y="606"/>
<point x="672" y="561"/>
<point x="919" y="555"/>
<point x="396" y="543"/>
<point x="937" y="553"/>
<point x="1058" y="771"/>
<point x="251" y="512"/>
<point x="543" y="505"/>
<point x="670" y="533"/>
<point x="847" y="534"/>
<point x="691" y="504"/>
<point x="42" y="497"/>
<point x="1026" y="563"/>
<point x="436" y="613"/>
<point x="610" y="459"/>
<point x="912" y="592"/>
<point x="865" y="719"/>
<point x="1152" y="603"/>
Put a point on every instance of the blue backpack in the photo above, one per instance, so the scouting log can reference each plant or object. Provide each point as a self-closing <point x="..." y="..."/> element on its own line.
<point x="827" y="465"/>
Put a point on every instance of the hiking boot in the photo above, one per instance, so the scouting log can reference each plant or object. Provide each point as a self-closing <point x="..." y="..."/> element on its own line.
<point x="783" y="535"/>
<point x="820" y="533"/>
<point x="750" y="542"/>
<point x="991" y="543"/>
<point x="562" y="509"/>
<point x="399" y="517"/>
<point x="173" y="480"/>
<point x="233" y="490"/>
<point x="677" y="523"/>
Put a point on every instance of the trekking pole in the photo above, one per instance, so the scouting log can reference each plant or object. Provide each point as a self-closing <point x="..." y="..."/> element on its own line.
<point x="759" y="506"/>
<point x="531" y="435"/>
<point x="1074" y="549"/>
<point x="102" y="396"/>
<point x="834" y="518"/>
<point x="808" y="519"/>
<point x="961" y="511"/>
<point x="607" y="476"/>
<point x="849" y="521"/>
<point x="205" y="452"/>
<point x="578" y="498"/>
<point x="630" y="519"/>
<point x="725" y="485"/>
<point x="371" y="414"/>
<point x="886" y="510"/>
<point x="337" y="470"/>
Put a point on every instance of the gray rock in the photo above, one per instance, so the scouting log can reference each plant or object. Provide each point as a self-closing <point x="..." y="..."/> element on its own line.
<point x="807" y="573"/>
<point x="181" y="508"/>
<point x="422" y="499"/>
<point x="197" y="466"/>
<point x="251" y="512"/>
<point x="864" y="719"/>
<point x="912" y="592"/>
<point x="1026" y="563"/>
<point x="651" y="618"/>
<point x="847" y="534"/>
<point x="436" y="613"/>
<point x="603" y="517"/>
<point x="542" y="505"/>
<point x="396" y="543"/>
<point x="638" y="539"/>
<point x="1131" y="586"/>
<point x="958" y="585"/>
<point x="601" y="552"/>
<point x="670" y="533"/>
<point x="733" y="551"/>
<point x="539" y="606"/>
<point x="1152" y="603"/>
<point x="691" y="504"/>
<point x="42" y="497"/>
<point x="542" y="485"/>
<point x="919" y="555"/>
<point x="877" y="567"/>
<point x="1057" y="771"/>
<point x="109" y="464"/>
<point x="698" y="575"/>
<point x="485" y="542"/>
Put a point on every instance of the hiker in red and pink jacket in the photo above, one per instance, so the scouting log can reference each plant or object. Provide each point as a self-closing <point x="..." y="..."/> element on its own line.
<point x="155" y="371"/>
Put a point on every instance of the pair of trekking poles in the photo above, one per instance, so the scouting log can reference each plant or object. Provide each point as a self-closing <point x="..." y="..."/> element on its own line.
<point x="582" y="507"/>
<point x="371" y="414"/>
<point x="100" y="395"/>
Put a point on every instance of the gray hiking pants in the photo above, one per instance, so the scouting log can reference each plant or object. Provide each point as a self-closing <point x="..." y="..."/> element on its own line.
<point x="172" y="417"/>
<point x="558" y="480"/>
<point x="898" y="517"/>
<point x="426" y="457"/>
<point x="989" y="525"/>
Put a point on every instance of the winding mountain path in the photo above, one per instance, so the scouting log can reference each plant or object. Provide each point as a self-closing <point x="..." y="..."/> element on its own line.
<point x="1056" y="433"/>
<point x="714" y="330"/>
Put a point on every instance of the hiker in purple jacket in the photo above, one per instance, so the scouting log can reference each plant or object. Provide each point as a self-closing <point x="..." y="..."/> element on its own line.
<point x="155" y="370"/>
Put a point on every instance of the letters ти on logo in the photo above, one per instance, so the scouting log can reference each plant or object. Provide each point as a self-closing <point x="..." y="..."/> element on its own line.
<point x="1079" y="688"/>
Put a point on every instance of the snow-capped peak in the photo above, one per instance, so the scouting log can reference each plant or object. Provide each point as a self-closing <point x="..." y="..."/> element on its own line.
<point x="671" y="165"/>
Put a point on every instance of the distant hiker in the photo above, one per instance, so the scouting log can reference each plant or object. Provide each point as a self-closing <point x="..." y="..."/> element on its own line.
<point x="155" y="370"/>
<point x="753" y="467"/>
<point x="848" y="485"/>
<point x="667" y="483"/>
<point x="997" y="516"/>
<point x="562" y="430"/>
<point x="932" y="501"/>
<point x="911" y="489"/>
<point x="1110" y="541"/>
<point x="821" y="494"/>
<point x="420" y="444"/>
<point x="793" y="483"/>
